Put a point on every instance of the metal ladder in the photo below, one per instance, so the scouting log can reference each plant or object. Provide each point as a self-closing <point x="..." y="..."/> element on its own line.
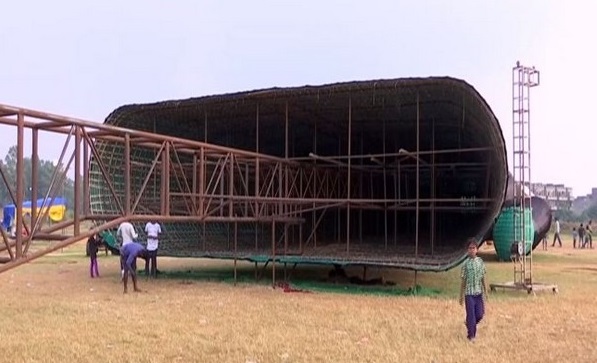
<point x="523" y="79"/>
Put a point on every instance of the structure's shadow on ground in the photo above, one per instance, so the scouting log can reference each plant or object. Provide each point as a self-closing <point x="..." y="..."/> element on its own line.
<point x="302" y="278"/>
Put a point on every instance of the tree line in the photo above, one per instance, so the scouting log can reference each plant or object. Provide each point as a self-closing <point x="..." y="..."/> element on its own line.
<point x="569" y="216"/>
<point x="45" y="169"/>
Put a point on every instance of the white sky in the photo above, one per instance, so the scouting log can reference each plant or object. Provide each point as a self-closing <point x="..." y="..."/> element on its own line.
<point x="85" y="59"/>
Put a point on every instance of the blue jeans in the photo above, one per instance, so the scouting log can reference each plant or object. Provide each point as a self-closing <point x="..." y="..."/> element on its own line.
<point x="474" y="313"/>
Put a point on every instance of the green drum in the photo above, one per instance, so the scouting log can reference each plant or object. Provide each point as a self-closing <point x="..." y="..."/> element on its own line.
<point x="503" y="232"/>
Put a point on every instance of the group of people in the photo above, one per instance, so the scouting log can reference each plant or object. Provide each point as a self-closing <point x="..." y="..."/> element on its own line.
<point x="130" y="250"/>
<point x="582" y="237"/>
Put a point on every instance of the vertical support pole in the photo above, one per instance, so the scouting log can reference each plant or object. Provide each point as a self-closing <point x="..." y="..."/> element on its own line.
<point x="201" y="181"/>
<point x="432" y="186"/>
<point x="274" y="253"/>
<point x="231" y="186"/>
<point x="86" y="187"/>
<point x="202" y="169"/>
<point x="77" y="191"/>
<point x="205" y="126"/>
<point x="235" y="248"/>
<point x="20" y="181"/>
<point x="349" y="176"/>
<point x="417" y="189"/>
<point x="336" y="189"/>
<point x="397" y="203"/>
<point x="34" y="178"/>
<point x="385" y="182"/>
<point x="361" y="191"/>
<point x="246" y="191"/>
<point x="257" y="175"/>
<point x="286" y="207"/>
<point x="222" y="189"/>
<point x="314" y="193"/>
<point x="127" y="174"/>
<point x="280" y="185"/>
<point x="165" y="195"/>
<point x="194" y="182"/>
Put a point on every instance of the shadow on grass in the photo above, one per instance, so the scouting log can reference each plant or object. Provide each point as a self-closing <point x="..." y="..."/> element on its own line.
<point x="305" y="279"/>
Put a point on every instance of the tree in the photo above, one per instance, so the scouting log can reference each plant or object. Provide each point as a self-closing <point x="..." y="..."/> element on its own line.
<point x="45" y="169"/>
<point x="566" y="215"/>
<point x="591" y="212"/>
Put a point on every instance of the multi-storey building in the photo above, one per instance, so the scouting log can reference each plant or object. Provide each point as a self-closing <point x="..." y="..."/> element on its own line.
<point x="558" y="196"/>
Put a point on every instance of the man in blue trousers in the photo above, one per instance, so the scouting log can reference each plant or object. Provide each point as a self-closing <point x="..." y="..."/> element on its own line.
<point x="129" y="254"/>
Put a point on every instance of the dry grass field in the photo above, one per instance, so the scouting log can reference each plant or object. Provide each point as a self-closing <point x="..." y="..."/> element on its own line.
<point x="51" y="311"/>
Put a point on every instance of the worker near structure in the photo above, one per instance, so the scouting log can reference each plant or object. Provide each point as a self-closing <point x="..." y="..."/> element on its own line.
<point x="153" y="231"/>
<point x="473" y="290"/>
<point x="581" y="236"/>
<point x="93" y="243"/>
<point x="127" y="234"/>
<point x="129" y="254"/>
<point x="589" y="234"/>
<point x="556" y="235"/>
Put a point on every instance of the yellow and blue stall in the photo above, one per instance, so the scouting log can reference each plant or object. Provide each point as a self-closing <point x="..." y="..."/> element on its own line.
<point x="57" y="210"/>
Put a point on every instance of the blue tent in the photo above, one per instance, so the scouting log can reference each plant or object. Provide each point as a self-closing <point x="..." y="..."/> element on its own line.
<point x="10" y="210"/>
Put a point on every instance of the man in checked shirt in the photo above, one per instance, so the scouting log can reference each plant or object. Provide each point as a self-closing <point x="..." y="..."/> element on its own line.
<point x="473" y="291"/>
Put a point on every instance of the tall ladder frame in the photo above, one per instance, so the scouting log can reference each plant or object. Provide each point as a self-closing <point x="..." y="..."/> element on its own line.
<point x="523" y="79"/>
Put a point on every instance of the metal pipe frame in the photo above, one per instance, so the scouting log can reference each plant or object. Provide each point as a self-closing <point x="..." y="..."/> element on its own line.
<point x="205" y="183"/>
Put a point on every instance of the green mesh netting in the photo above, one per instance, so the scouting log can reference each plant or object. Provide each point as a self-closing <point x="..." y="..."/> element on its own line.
<point x="503" y="232"/>
<point x="297" y="284"/>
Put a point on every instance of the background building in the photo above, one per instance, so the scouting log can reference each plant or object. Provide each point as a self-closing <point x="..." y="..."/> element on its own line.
<point x="558" y="196"/>
<point x="581" y="203"/>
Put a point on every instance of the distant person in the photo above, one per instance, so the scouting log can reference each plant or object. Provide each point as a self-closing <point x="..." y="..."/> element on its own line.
<point x="13" y="227"/>
<point x="93" y="243"/>
<point x="574" y="237"/>
<point x="557" y="234"/>
<point x="544" y="242"/>
<point x="581" y="236"/>
<point x="153" y="230"/>
<point x="589" y="234"/>
<point x="126" y="234"/>
<point x="473" y="291"/>
<point x="129" y="253"/>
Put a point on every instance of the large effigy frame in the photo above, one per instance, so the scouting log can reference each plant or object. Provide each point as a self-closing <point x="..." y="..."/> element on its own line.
<point x="394" y="173"/>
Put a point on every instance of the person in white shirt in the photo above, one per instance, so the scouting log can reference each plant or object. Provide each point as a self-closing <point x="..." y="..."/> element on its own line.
<point x="153" y="231"/>
<point x="557" y="234"/>
<point x="127" y="234"/>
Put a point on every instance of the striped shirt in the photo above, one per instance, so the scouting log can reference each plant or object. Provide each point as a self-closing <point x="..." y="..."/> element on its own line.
<point x="473" y="272"/>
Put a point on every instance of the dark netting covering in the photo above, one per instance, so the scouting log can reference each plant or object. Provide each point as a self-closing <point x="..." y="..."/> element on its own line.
<point x="462" y="169"/>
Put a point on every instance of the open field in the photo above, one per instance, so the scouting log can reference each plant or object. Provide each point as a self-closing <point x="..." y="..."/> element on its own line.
<point x="53" y="312"/>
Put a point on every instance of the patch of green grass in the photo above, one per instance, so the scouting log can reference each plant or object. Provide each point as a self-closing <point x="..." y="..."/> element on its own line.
<point x="306" y="280"/>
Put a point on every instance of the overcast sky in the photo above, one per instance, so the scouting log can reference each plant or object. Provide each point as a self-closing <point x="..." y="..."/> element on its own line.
<point x="85" y="59"/>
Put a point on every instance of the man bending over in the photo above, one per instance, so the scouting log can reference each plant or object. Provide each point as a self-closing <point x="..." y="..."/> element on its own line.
<point x="130" y="252"/>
